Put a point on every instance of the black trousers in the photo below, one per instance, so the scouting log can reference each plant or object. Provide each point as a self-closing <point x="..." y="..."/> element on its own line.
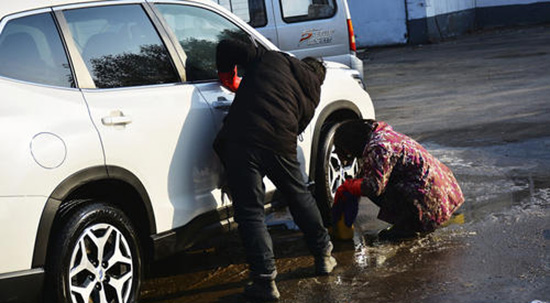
<point x="246" y="168"/>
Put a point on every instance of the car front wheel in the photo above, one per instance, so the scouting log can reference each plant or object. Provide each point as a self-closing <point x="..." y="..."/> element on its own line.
<point x="330" y="173"/>
<point x="95" y="256"/>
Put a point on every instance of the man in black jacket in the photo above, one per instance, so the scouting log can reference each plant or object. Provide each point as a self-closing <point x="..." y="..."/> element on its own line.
<point x="273" y="104"/>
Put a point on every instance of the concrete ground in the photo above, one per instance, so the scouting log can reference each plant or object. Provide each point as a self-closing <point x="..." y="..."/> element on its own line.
<point x="481" y="104"/>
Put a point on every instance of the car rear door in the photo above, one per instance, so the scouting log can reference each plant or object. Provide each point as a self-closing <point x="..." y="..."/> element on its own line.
<point x="152" y="123"/>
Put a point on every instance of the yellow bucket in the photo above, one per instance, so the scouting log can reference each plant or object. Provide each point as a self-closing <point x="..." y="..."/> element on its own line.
<point x="340" y="231"/>
<point x="455" y="219"/>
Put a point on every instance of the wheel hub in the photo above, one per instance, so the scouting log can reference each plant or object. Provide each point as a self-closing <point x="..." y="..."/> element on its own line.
<point x="100" y="275"/>
<point x="102" y="253"/>
<point x="339" y="172"/>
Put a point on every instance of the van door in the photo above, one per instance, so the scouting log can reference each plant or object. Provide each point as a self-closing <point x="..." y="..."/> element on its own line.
<point x="311" y="27"/>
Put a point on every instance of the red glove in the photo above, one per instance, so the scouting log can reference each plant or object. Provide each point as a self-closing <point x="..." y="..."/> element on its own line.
<point x="352" y="186"/>
<point x="230" y="79"/>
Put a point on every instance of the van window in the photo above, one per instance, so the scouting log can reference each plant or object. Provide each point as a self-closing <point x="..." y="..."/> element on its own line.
<point x="31" y="50"/>
<point x="305" y="10"/>
<point x="199" y="31"/>
<point x="251" y="11"/>
<point x="120" y="46"/>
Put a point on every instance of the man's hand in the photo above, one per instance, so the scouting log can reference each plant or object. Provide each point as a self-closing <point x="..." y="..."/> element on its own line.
<point x="230" y="79"/>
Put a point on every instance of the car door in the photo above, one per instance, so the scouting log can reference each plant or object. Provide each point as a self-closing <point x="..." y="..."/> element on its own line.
<point x="198" y="29"/>
<point x="152" y="123"/>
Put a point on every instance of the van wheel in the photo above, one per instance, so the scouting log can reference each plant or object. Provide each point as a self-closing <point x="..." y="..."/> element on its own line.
<point x="330" y="173"/>
<point x="95" y="256"/>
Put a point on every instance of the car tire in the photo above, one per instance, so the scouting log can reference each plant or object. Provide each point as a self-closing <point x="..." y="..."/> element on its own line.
<point x="330" y="173"/>
<point x="95" y="255"/>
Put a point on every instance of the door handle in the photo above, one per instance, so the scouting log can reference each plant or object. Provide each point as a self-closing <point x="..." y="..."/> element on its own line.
<point x="116" y="118"/>
<point x="222" y="103"/>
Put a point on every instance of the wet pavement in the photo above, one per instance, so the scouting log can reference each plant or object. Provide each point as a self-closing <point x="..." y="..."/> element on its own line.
<point x="481" y="104"/>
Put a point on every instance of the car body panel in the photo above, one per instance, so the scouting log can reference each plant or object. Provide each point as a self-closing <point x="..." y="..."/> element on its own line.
<point x="334" y="88"/>
<point x="48" y="135"/>
<point x="38" y="121"/>
<point x="167" y="145"/>
<point x="19" y="242"/>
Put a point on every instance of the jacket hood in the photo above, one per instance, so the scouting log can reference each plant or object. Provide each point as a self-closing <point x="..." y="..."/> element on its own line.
<point x="309" y="81"/>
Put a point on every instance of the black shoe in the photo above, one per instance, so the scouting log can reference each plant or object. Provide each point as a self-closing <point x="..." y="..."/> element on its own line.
<point x="262" y="290"/>
<point x="396" y="233"/>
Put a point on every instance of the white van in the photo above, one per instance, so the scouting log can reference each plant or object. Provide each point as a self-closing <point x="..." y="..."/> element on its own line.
<point x="318" y="28"/>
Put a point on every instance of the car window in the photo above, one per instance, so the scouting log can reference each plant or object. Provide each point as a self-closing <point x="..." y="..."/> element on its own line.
<point x="251" y="11"/>
<point x="31" y="50"/>
<point x="120" y="46"/>
<point x="198" y="31"/>
<point x="305" y="10"/>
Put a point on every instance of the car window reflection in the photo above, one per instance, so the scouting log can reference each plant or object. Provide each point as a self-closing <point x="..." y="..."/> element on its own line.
<point x="120" y="46"/>
<point x="31" y="50"/>
<point x="198" y="31"/>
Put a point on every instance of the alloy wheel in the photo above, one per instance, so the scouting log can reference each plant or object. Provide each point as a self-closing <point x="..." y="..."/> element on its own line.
<point x="338" y="173"/>
<point x="101" y="266"/>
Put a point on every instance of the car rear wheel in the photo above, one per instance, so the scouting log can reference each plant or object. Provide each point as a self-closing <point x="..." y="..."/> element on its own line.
<point x="330" y="173"/>
<point x="95" y="256"/>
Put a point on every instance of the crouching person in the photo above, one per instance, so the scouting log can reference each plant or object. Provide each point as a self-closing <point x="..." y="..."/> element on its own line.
<point x="415" y="192"/>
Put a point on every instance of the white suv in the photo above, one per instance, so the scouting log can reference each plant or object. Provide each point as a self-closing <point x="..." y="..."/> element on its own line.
<point x="107" y="117"/>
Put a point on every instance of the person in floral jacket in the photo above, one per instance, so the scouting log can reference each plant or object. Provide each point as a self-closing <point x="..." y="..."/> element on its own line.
<point x="415" y="192"/>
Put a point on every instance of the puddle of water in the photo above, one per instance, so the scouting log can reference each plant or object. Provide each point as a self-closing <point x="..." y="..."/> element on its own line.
<point x="502" y="180"/>
<point x="505" y="195"/>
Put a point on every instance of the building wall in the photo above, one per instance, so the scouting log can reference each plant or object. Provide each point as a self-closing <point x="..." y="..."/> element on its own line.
<point x="435" y="20"/>
<point x="441" y="7"/>
<point x="488" y="3"/>
<point x="379" y="22"/>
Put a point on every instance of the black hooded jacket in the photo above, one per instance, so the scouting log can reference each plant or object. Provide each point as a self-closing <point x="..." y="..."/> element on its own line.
<point x="275" y="101"/>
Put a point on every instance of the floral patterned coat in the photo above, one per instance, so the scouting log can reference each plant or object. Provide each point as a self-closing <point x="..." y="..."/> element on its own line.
<point x="401" y="174"/>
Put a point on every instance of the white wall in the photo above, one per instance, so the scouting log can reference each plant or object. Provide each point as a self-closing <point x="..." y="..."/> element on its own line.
<point x="419" y="9"/>
<point x="440" y="7"/>
<point x="487" y="3"/>
<point x="416" y="9"/>
<point x="379" y="22"/>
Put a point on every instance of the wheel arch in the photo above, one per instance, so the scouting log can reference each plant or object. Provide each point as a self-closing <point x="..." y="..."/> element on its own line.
<point x="113" y="184"/>
<point x="335" y="112"/>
